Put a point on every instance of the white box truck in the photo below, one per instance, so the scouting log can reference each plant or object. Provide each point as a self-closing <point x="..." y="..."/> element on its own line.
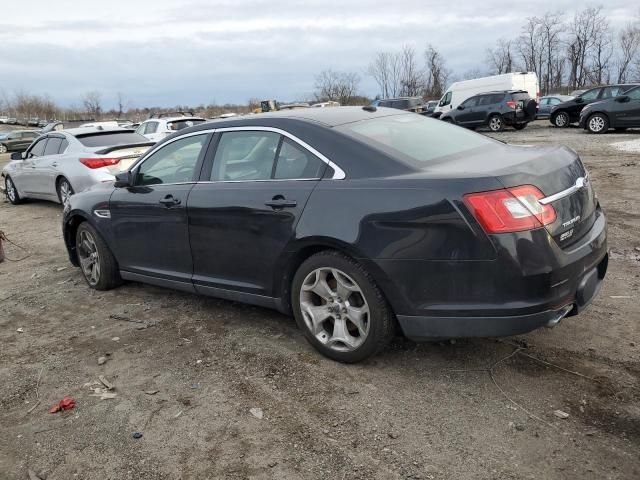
<point x="458" y="92"/>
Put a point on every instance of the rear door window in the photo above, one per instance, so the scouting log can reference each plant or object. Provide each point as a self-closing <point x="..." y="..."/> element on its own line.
<point x="244" y="156"/>
<point x="53" y="146"/>
<point x="295" y="162"/>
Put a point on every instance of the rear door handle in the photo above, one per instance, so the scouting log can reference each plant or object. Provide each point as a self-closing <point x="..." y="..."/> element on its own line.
<point x="279" y="202"/>
<point x="54" y="164"/>
<point x="170" y="201"/>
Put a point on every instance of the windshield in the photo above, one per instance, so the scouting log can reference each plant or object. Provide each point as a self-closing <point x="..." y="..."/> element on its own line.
<point x="109" y="139"/>
<point x="419" y="138"/>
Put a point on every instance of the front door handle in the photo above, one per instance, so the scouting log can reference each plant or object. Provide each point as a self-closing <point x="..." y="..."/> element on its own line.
<point x="54" y="164"/>
<point x="279" y="202"/>
<point x="170" y="201"/>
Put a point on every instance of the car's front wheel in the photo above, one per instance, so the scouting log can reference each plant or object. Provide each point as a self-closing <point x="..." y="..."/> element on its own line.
<point x="11" y="191"/>
<point x="496" y="123"/>
<point x="3" y="148"/>
<point x="598" y="123"/>
<point x="339" y="307"/>
<point x="98" y="265"/>
<point x="561" y="119"/>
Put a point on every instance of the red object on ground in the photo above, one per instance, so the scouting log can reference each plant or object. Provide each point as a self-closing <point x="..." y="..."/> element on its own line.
<point x="67" y="403"/>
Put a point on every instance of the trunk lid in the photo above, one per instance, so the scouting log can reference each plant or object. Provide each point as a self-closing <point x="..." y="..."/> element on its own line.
<point x="127" y="154"/>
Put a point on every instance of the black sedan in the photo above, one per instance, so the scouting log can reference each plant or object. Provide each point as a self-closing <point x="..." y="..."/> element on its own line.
<point x="355" y="220"/>
<point x="619" y="113"/>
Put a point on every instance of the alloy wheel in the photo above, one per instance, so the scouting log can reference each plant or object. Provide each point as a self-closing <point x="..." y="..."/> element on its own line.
<point x="11" y="189"/>
<point x="334" y="309"/>
<point x="495" y="124"/>
<point x="3" y="149"/>
<point x="65" y="192"/>
<point x="596" y="124"/>
<point x="561" y="120"/>
<point x="89" y="258"/>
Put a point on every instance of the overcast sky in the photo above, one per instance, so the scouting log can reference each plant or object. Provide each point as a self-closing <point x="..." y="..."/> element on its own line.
<point x="169" y="52"/>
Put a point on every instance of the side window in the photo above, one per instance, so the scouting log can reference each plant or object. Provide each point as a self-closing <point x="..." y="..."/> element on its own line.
<point x="554" y="101"/>
<point x="591" y="94"/>
<point x="610" y="92"/>
<point x="141" y="128"/>
<point x="38" y="148"/>
<point x="497" y="98"/>
<point x="152" y="127"/>
<point x="173" y="163"/>
<point x="53" y="146"/>
<point x="470" y="102"/>
<point x="245" y="156"/>
<point x="634" y="94"/>
<point x="297" y="162"/>
<point x="63" y="146"/>
<point x="446" y="100"/>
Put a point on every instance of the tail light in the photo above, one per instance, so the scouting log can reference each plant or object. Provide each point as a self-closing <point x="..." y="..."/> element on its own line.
<point x="99" y="162"/>
<point x="511" y="104"/>
<point x="510" y="210"/>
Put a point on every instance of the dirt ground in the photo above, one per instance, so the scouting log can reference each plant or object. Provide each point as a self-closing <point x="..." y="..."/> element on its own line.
<point x="187" y="370"/>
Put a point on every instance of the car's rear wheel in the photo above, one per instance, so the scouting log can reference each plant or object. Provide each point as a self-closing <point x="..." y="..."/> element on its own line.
<point x="3" y="148"/>
<point x="561" y="119"/>
<point x="65" y="190"/>
<point x="98" y="265"/>
<point x="11" y="191"/>
<point x="598" y="123"/>
<point x="496" y="123"/>
<point x="519" y="126"/>
<point x="339" y="307"/>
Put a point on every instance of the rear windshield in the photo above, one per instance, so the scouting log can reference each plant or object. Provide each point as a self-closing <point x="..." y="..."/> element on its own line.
<point x="109" y="139"/>
<point x="415" y="137"/>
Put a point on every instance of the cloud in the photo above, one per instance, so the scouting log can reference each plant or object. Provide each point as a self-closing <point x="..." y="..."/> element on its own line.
<point x="166" y="53"/>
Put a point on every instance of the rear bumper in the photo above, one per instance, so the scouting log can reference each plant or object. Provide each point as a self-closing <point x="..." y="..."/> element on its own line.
<point x="531" y="283"/>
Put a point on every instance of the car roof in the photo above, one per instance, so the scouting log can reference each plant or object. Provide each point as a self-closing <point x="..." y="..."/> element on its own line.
<point x="88" y="130"/>
<point x="172" y="119"/>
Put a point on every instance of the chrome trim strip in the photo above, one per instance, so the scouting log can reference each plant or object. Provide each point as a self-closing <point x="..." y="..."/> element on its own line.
<point x="581" y="183"/>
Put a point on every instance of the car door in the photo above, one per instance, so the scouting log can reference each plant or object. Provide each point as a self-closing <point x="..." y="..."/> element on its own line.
<point x="28" y="178"/>
<point x="465" y="115"/>
<point x="45" y="167"/>
<point x="149" y="218"/>
<point x="244" y="212"/>
<point x="627" y="113"/>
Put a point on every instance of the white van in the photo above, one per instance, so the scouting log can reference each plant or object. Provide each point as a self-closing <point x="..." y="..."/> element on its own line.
<point x="458" y="92"/>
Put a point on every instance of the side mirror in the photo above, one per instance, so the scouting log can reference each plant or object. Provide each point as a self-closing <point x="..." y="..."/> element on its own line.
<point x="623" y="98"/>
<point x="460" y="107"/>
<point x="123" y="179"/>
<point x="579" y="100"/>
<point x="17" y="156"/>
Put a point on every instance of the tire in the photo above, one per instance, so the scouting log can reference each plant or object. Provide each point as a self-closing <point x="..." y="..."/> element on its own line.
<point x="520" y="126"/>
<point x="64" y="190"/>
<point x="447" y="120"/>
<point x="561" y="119"/>
<point x="496" y="123"/>
<point x="598" y="123"/>
<point x="350" y="299"/>
<point x="92" y="252"/>
<point x="3" y="148"/>
<point x="11" y="191"/>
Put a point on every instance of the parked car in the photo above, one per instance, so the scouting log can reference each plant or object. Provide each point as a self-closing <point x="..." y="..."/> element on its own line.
<point x="458" y="92"/>
<point x="17" y="140"/>
<point x="410" y="104"/>
<point x="620" y="113"/>
<point x="548" y="102"/>
<point x="4" y="119"/>
<point x="60" y="163"/>
<point x="33" y="122"/>
<point x="12" y="121"/>
<point x="159" y="126"/>
<point x="429" y="107"/>
<point x="566" y="113"/>
<point x="352" y="219"/>
<point x="495" y="110"/>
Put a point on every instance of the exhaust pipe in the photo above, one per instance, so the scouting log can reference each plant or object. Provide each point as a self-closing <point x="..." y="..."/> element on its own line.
<point x="560" y="314"/>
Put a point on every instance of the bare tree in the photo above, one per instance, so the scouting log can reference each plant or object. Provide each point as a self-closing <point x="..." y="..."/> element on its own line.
<point x="584" y="34"/>
<point x="437" y="73"/>
<point x="500" y="58"/>
<point x="629" y="47"/>
<point x="337" y="86"/>
<point x="122" y="103"/>
<point x="92" y="102"/>
<point x="386" y="71"/>
<point x="411" y="75"/>
<point x="551" y="27"/>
